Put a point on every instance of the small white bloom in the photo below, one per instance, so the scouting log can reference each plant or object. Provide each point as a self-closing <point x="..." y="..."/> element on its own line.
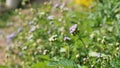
<point x="92" y="36"/>
<point x="45" y="52"/>
<point x="53" y="38"/>
<point x="62" y="50"/>
<point x="117" y="43"/>
<point x="30" y="37"/>
<point x="33" y="28"/>
<point x="50" y="17"/>
<point x="94" y="54"/>
<point x="77" y="55"/>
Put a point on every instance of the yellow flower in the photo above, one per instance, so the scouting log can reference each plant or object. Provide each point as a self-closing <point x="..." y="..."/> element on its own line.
<point x="86" y="3"/>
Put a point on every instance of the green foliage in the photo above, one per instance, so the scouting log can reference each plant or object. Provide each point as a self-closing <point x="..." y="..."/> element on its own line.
<point x="6" y="17"/>
<point x="3" y="66"/>
<point x="63" y="63"/>
<point x="93" y="43"/>
<point x="116" y="62"/>
<point x="41" y="65"/>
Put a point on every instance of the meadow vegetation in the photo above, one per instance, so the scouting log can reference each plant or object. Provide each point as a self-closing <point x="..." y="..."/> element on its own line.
<point x="64" y="36"/>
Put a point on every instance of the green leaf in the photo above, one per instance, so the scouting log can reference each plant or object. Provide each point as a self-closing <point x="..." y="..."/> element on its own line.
<point x="41" y="65"/>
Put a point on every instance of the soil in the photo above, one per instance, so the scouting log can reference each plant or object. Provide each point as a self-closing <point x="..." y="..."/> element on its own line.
<point x="2" y="51"/>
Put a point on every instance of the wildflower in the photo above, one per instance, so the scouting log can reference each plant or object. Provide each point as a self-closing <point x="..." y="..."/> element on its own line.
<point x="67" y="38"/>
<point x="94" y="54"/>
<point x="57" y="5"/>
<point x="117" y="48"/>
<point x="30" y="37"/>
<point x="11" y="37"/>
<point x="77" y="56"/>
<point x="117" y="44"/>
<point x="103" y="41"/>
<point x="24" y="48"/>
<point x="45" y="52"/>
<point x="73" y="29"/>
<point x="86" y="3"/>
<point x="31" y="22"/>
<point x="62" y="50"/>
<point x="53" y="38"/>
<point x="98" y="39"/>
<point x="50" y="17"/>
<point x="20" y="54"/>
<point x="51" y="22"/>
<point x="33" y="28"/>
<point x="41" y="13"/>
<point x="39" y="41"/>
<point x="110" y="29"/>
<point x="20" y="29"/>
<point x="92" y="36"/>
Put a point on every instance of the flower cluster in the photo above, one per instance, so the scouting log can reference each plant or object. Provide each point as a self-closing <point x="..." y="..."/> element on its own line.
<point x="73" y="29"/>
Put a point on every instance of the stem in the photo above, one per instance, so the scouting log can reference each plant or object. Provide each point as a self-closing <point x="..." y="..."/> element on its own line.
<point x="68" y="51"/>
<point x="82" y="41"/>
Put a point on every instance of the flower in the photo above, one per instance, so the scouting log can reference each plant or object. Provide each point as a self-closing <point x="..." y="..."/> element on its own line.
<point x="73" y="29"/>
<point x="51" y="17"/>
<point x="31" y="22"/>
<point x="62" y="50"/>
<point x="57" y="5"/>
<point x="45" y="52"/>
<point x="30" y="37"/>
<point x="20" y="54"/>
<point x="94" y="54"/>
<point x="53" y="38"/>
<point x="11" y="37"/>
<point x="33" y="28"/>
<point x="67" y="38"/>
<point x="86" y="3"/>
<point x="19" y="29"/>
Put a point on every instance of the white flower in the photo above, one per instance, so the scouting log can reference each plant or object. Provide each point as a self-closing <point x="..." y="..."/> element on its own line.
<point x="94" y="54"/>
<point x="30" y="37"/>
<point x="50" y="17"/>
<point x="78" y="55"/>
<point x="53" y="38"/>
<point x="62" y="50"/>
<point x="45" y="52"/>
<point x="92" y="36"/>
<point x="33" y="28"/>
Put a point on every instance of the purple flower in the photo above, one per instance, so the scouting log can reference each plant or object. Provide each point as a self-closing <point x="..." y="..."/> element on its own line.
<point x="57" y="5"/>
<point x="67" y="38"/>
<point x="73" y="29"/>
<point x="11" y="37"/>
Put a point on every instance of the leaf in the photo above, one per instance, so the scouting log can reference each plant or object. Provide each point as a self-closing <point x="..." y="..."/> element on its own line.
<point x="64" y="63"/>
<point x="45" y="57"/>
<point x="41" y="65"/>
